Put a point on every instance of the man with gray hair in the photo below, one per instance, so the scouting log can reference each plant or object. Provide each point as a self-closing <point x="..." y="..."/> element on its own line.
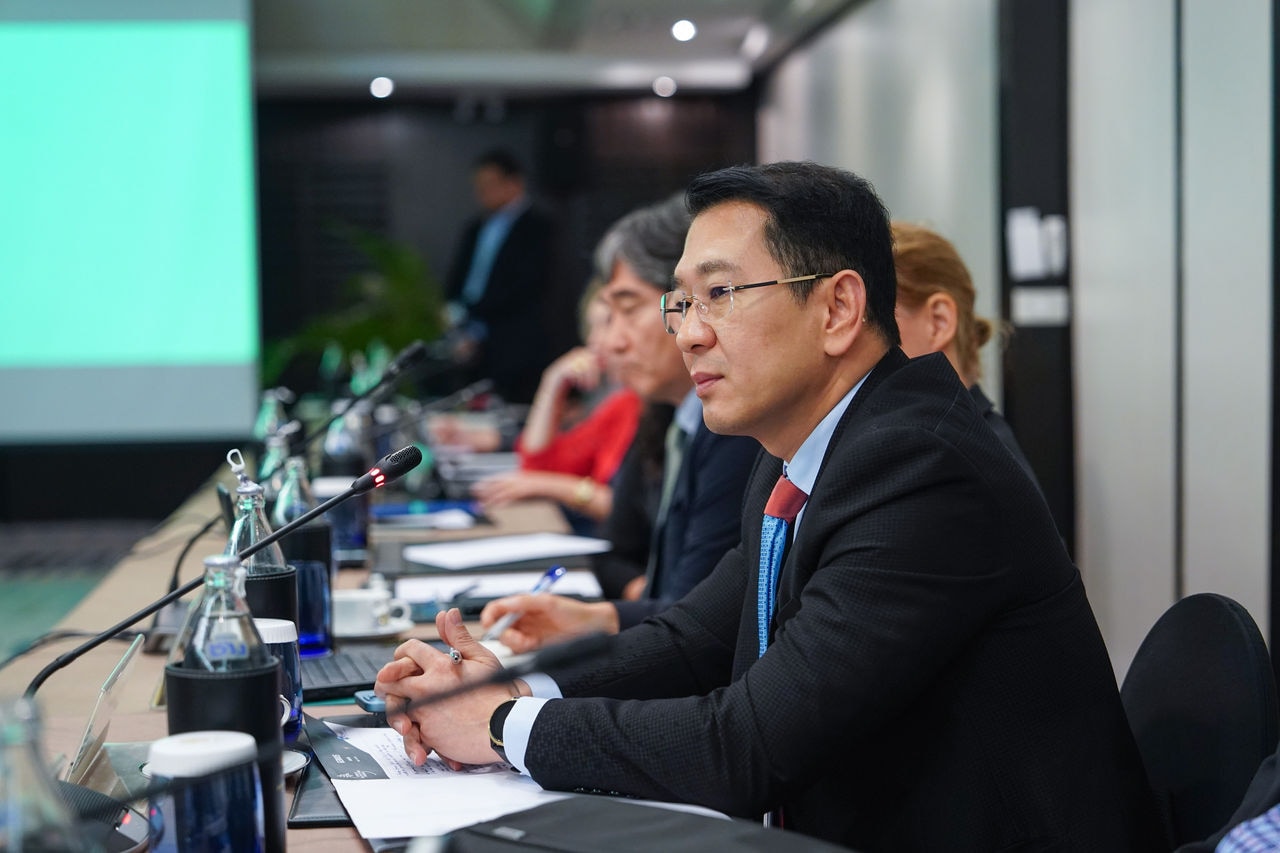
<point x="668" y="526"/>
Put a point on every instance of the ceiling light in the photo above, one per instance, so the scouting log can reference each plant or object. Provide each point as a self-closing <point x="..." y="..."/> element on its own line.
<point x="755" y="41"/>
<point x="664" y="87"/>
<point x="683" y="30"/>
<point x="381" y="87"/>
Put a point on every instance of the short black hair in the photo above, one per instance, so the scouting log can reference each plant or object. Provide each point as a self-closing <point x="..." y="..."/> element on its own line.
<point x="502" y="160"/>
<point x="818" y="220"/>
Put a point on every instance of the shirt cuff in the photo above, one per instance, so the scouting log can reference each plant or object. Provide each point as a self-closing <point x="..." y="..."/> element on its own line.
<point x="543" y="686"/>
<point x="515" y="731"/>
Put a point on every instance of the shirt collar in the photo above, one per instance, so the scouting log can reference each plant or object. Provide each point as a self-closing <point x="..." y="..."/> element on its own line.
<point x="511" y="210"/>
<point x="689" y="413"/>
<point x="802" y="470"/>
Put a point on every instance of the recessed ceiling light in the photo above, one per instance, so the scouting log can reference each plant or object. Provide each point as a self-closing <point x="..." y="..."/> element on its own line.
<point x="381" y="87"/>
<point x="664" y="87"/>
<point x="755" y="41"/>
<point x="683" y="30"/>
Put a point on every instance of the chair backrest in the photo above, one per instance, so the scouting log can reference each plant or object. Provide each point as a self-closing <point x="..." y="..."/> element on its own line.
<point x="1200" y="697"/>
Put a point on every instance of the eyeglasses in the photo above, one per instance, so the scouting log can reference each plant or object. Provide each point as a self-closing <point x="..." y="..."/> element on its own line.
<point x="717" y="304"/>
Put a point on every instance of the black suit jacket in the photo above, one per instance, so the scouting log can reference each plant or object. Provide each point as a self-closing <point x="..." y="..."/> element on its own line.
<point x="513" y="303"/>
<point x="1001" y="428"/>
<point x="703" y="519"/>
<point x="936" y="679"/>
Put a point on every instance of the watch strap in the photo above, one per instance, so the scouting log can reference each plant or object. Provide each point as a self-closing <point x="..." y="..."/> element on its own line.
<point x="496" y="721"/>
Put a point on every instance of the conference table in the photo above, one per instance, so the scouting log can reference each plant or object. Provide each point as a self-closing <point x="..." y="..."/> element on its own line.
<point x="68" y="697"/>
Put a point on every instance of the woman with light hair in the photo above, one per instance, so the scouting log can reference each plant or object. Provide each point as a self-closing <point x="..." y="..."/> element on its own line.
<point x="935" y="314"/>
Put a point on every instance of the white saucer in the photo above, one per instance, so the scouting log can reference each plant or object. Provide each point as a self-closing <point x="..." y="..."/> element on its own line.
<point x="294" y="760"/>
<point x="390" y="629"/>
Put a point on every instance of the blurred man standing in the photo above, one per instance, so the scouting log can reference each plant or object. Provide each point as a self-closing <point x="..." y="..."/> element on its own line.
<point x="500" y="276"/>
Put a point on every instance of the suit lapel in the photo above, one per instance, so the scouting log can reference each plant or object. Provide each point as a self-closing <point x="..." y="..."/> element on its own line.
<point x="791" y="578"/>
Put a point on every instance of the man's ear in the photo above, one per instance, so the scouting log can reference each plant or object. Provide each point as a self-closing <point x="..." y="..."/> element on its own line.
<point x="846" y="312"/>
<point x="943" y="316"/>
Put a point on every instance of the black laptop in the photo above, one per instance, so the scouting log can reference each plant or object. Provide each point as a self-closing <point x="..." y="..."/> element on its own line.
<point x="350" y="667"/>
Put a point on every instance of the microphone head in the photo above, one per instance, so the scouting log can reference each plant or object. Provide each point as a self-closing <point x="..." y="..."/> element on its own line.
<point x="388" y="469"/>
<point x="410" y="356"/>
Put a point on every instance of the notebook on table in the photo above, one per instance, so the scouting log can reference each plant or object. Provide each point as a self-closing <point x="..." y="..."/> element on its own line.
<point x="515" y="552"/>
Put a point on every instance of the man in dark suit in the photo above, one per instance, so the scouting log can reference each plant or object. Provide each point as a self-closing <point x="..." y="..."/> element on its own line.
<point x="926" y="674"/>
<point x="499" y="279"/>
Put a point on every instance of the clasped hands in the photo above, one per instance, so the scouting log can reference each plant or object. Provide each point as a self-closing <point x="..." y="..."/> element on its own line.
<point x="456" y="728"/>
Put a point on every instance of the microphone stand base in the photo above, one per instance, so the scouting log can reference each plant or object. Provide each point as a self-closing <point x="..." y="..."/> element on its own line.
<point x="165" y="627"/>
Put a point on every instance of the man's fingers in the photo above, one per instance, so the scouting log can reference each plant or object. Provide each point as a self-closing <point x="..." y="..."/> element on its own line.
<point x="413" y="745"/>
<point x="499" y="607"/>
<point x="418" y="654"/>
<point x="457" y="636"/>
<point x="398" y="669"/>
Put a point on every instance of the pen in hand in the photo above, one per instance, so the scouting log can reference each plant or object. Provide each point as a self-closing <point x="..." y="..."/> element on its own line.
<point x="544" y="583"/>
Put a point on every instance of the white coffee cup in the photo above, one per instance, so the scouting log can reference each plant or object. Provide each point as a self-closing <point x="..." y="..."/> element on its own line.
<point x="361" y="612"/>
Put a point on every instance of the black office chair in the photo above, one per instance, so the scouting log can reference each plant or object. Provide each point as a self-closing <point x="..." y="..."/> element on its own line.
<point x="1201" y="700"/>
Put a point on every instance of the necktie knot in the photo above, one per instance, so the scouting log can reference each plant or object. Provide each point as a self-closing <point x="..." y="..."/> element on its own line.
<point x="785" y="500"/>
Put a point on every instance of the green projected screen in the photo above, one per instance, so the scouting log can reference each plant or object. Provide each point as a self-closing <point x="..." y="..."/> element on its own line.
<point x="128" y="257"/>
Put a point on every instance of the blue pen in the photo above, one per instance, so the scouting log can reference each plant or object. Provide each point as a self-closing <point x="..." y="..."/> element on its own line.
<point x="544" y="583"/>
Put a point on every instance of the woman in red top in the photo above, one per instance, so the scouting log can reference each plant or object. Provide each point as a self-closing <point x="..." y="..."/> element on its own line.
<point x="565" y="458"/>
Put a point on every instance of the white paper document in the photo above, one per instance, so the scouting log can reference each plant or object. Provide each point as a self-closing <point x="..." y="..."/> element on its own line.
<point x="431" y="799"/>
<point x="445" y="519"/>
<point x="497" y="550"/>
<point x="444" y="588"/>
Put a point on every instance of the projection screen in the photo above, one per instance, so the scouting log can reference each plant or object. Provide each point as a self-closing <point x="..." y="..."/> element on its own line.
<point x="128" y="239"/>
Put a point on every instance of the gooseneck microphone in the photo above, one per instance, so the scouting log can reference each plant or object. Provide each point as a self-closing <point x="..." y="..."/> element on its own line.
<point x="387" y="470"/>
<point x="461" y="397"/>
<point x="407" y="359"/>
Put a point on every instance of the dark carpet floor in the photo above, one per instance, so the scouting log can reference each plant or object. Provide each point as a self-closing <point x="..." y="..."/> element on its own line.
<point x="46" y="567"/>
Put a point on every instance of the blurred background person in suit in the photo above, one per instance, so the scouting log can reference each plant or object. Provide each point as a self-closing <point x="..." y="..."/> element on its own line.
<point x="499" y="280"/>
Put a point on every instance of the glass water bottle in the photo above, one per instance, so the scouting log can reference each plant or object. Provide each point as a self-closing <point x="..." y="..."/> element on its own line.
<point x="271" y="586"/>
<point x="309" y="549"/>
<point x="34" y="816"/>
<point x="219" y="635"/>
<point x="251" y="525"/>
